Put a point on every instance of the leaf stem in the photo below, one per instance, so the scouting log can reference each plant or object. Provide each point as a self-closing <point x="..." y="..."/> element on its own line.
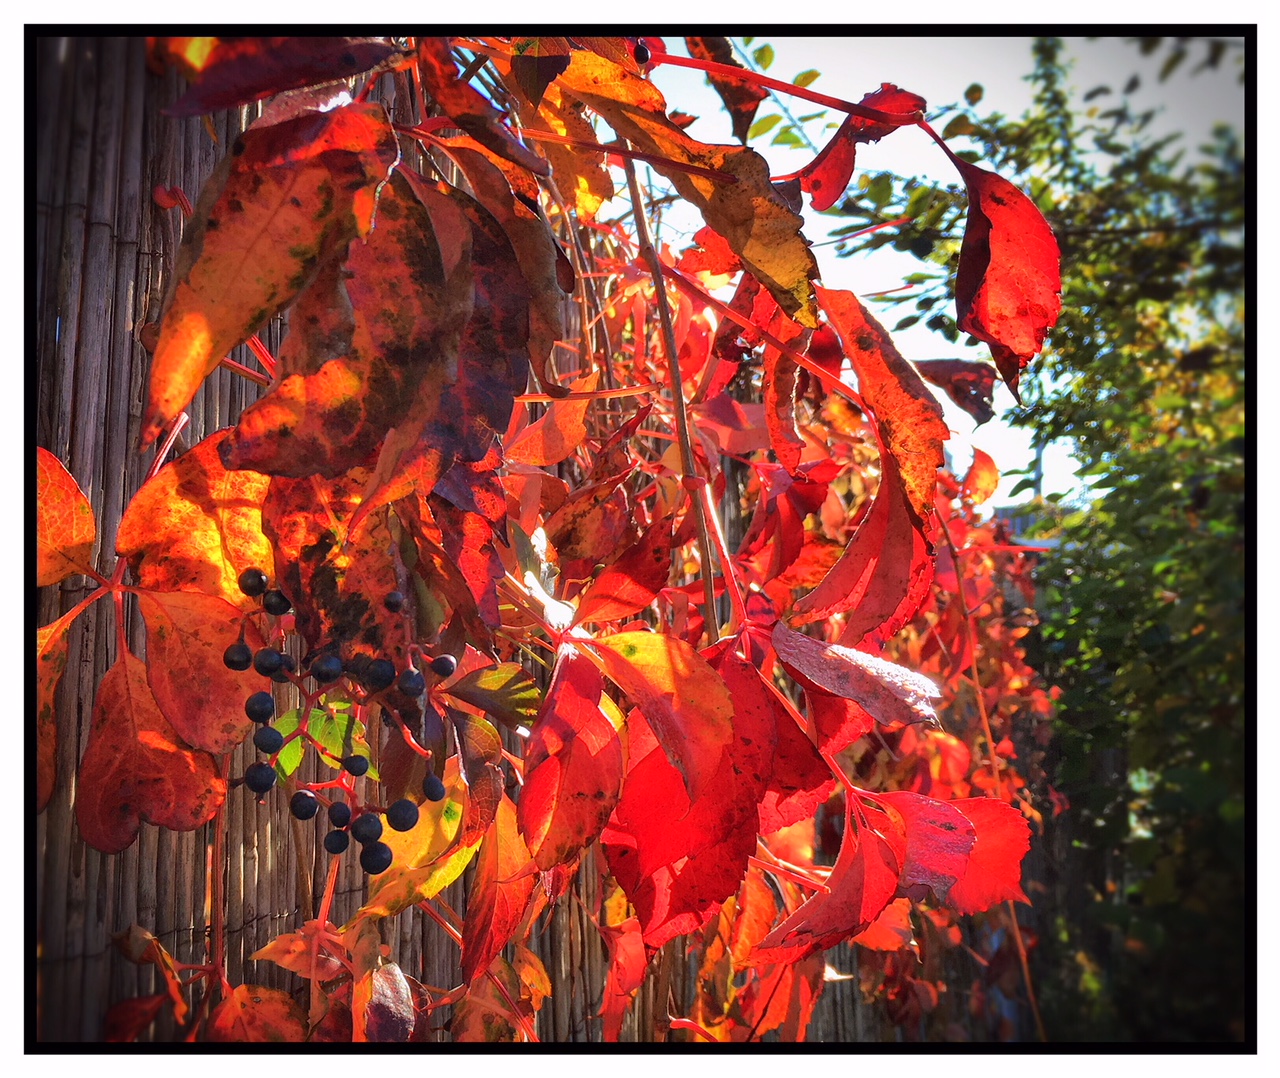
<point x="688" y="462"/>
<point x="742" y="74"/>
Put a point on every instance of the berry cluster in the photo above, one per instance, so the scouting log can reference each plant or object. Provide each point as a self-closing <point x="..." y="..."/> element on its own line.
<point x="370" y="675"/>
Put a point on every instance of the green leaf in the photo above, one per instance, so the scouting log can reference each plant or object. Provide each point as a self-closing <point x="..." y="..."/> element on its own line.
<point x="960" y="125"/>
<point x="505" y="692"/>
<point x="806" y="78"/>
<point x="786" y="137"/>
<point x="1025" y="484"/>
<point x="763" y="125"/>
<point x="340" y="735"/>
<point x="763" y="56"/>
<point x="973" y="94"/>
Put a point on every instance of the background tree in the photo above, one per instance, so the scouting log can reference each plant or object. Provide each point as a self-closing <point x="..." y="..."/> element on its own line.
<point x="1143" y="602"/>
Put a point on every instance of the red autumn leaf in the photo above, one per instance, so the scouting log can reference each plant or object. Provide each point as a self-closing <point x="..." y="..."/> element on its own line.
<point x="884" y="573"/>
<point x="136" y="769"/>
<point x="142" y="948"/>
<point x="800" y="781"/>
<point x="741" y="98"/>
<point x="499" y="892"/>
<point x="196" y="527"/>
<point x="1008" y="281"/>
<point x="573" y="765"/>
<point x="203" y="700"/>
<point x="288" y="198"/>
<point x="891" y="931"/>
<point x="65" y="528"/>
<point x="633" y="581"/>
<point x="837" y="721"/>
<point x="908" y="420"/>
<point x="982" y="478"/>
<point x="940" y="840"/>
<point x="627" y="964"/>
<point x="827" y="175"/>
<point x="225" y="72"/>
<point x="862" y="882"/>
<point x="129" y="1019"/>
<point x="326" y="413"/>
<point x="995" y="862"/>
<point x="969" y="384"/>
<point x="467" y="108"/>
<point x="758" y="225"/>
<point x="680" y="695"/>
<point x="51" y="663"/>
<point x="711" y="255"/>
<point x="780" y="395"/>
<point x="261" y="1015"/>
<point x="467" y="541"/>
<point x="554" y="435"/>
<point x="784" y="999"/>
<point x="891" y="693"/>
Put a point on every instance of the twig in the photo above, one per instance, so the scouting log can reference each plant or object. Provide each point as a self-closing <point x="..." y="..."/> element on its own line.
<point x="688" y="463"/>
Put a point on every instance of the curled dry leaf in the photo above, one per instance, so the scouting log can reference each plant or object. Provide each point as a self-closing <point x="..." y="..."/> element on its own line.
<point x="1008" y="281"/>
<point x="891" y="693"/>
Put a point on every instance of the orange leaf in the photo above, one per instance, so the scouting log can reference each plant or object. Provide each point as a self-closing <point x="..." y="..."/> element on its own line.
<point x="203" y="700"/>
<point x="288" y="198"/>
<point x="759" y="226"/>
<point x="51" y="662"/>
<point x="553" y="436"/>
<point x="136" y="769"/>
<point x="254" y="1013"/>
<point x="196" y="527"/>
<point x="909" y="421"/>
<point x="573" y="765"/>
<point x="1008" y="281"/>
<point x="499" y="894"/>
<point x="65" y="528"/>
<point x="681" y="696"/>
<point x="982" y="478"/>
<point x="300" y="953"/>
<point x="633" y="581"/>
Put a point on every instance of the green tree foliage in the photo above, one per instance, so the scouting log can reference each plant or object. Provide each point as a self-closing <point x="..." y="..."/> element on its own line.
<point x="1143" y="604"/>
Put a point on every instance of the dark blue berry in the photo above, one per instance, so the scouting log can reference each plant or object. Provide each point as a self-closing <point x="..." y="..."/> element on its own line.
<point x="356" y="765"/>
<point x="336" y="842"/>
<point x="327" y="668"/>
<point x="238" y="656"/>
<point x="412" y="683"/>
<point x="432" y="787"/>
<point x="380" y="674"/>
<point x="268" y="739"/>
<point x="304" y="805"/>
<point x="259" y="777"/>
<point x="253" y="582"/>
<point x="393" y="601"/>
<point x="366" y="829"/>
<point x="268" y="661"/>
<point x="376" y="858"/>
<point x="287" y="665"/>
<point x="339" y="814"/>
<point x="276" y="602"/>
<point x="260" y="707"/>
<point x="643" y="55"/>
<point x="402" y="815"/>
<point x="444" y="665"/>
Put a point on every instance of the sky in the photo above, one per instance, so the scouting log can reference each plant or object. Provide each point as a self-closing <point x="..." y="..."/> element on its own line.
<point x="939" y="69"/>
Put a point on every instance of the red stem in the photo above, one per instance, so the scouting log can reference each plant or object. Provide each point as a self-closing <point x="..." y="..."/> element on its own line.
<point x="741" y="74"/>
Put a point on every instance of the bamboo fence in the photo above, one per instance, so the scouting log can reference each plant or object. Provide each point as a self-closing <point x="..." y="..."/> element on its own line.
<point x="103" y="250"/>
